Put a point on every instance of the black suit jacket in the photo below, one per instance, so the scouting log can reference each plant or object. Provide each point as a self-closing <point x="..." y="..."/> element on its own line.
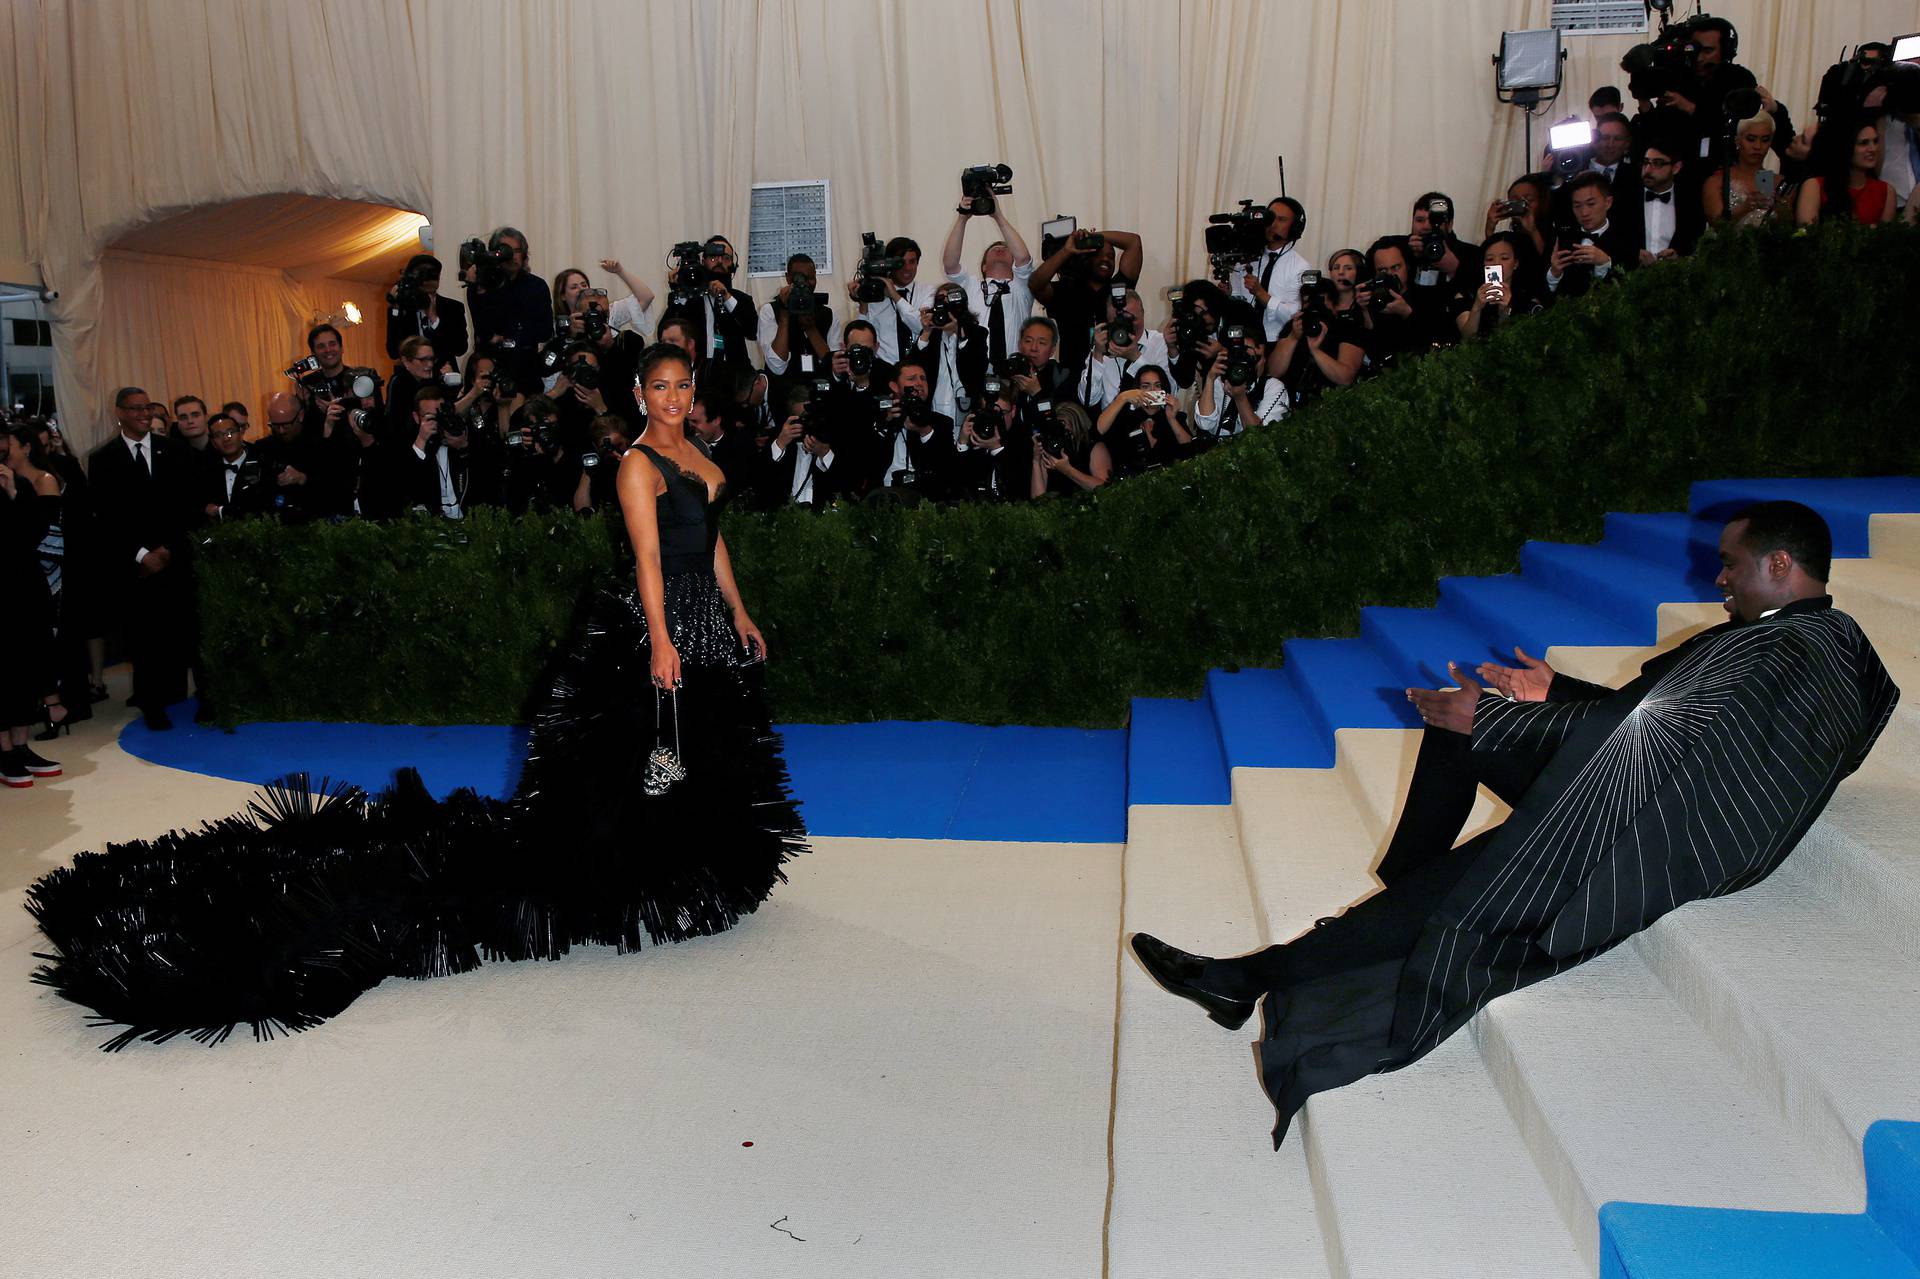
<point x="970" y="361"/>
<point x="1618" y="243"/>
<point x="135" y="510"/>
<point x="739" y="462"/>
<point x="740" y="327"/>
<point x="449" y="337"/>
<point x="252" y="489"/>
<point x="1689" y="219"/>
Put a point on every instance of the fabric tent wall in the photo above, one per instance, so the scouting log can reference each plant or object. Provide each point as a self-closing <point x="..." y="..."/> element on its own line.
<point x="610" y="128"/>
<point x="220" y="330"/>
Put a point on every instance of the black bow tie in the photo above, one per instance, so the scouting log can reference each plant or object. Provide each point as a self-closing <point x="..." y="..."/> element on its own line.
<point x="1665" y="197"/>
<point x="233" y="468"/>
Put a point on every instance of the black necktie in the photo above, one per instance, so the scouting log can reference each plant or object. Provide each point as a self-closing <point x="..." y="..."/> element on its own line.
<point x="1665" y="197"/>
<point x="903" y="335"/>
<point x="1266" y="272"/>
<point x="997" y="324"/>
<point x="140" y="455"/>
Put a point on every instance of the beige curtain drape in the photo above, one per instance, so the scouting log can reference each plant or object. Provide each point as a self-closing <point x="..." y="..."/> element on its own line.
<point x="615" y="127"/>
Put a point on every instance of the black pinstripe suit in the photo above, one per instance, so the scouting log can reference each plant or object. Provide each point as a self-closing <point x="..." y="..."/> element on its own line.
<point x="1695" y="780"/>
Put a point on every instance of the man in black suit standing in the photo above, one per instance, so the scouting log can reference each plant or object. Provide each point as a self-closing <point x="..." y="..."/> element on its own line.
<point x="1596" y="247"/>
<point x="143" y="492"/>
<point x="1671" y="219"/>
<point x="724" y="321"/>
<point x="416" y="309"/>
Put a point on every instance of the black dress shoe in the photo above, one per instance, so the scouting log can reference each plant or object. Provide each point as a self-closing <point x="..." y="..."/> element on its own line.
<point x="1179" y="972"/>
<point x="157" y="721"/>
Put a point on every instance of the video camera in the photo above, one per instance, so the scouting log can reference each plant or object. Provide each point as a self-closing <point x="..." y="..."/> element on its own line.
<point x="871" y="271"/>
<point x="981" y="183"/>
<point x="687" y="275"/>
<point x="1237" y="238"/>
<point x="1846" y="84"/>
<point x="1666" y="62"/>
<point x="491" y="264"/>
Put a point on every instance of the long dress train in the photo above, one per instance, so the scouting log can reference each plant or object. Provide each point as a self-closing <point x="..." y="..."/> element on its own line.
<point x="280" y="916"/>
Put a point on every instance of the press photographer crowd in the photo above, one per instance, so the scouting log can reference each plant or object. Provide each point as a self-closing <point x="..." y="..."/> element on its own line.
<point x="1015" y="377"/>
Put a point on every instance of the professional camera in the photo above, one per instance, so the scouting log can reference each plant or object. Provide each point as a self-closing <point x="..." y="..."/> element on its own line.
<point x="914" y="407"/>
<point x="1053" y="434"/>
<point x="1240" y="366"/>
<point x="499" y="383"/>
<point x="1381" y="288"/>
<point x="1190" y="328"/>
<point x="981" y="183"/>
<point x="581" y="373"/>
<point x="535" y="434"/>
<point x="1237" y="238"/>
<point x="307" y="373"/>
<point x="813" y="412"/>
<point x="593" y="316"/>
<point x="873" y="268"/>
<point x="1665" y="62"/>
<point x="1433" y="242"/>
<point x="802" y="304"/>
<point x="1089" y="240"/>
<point x="490" y="263"/>
<point x="1122" y="331"/>
<point x="1510" y="209"/>
<point x="941" y="310"/>
<point x="686" y="277"/>
<point x="860" y="360"/>
<point x="409" y="294"/>
<point x="1016" y="365"/>
<point x="1845" y="85"/>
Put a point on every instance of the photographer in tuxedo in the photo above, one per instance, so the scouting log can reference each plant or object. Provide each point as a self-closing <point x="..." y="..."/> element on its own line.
<point x="953" y="347"/>
<point x="1121" y="348"/>
<point x="798" y="329"/>
<point x="1438" y="258"/>
<point x="801" y="463"/>
<point x="858" y="404"/>
<point x="1002" y="294"/>
<point x="995" y="461"/>
<point x="232" y="484"/>
<point x="896" y="318"/>
<point x="1401" y="321"/>
<point x="415" y="309"/>
<point x="143" y="492"/>
<point x="1272" y="281"/>
<point x="512" y="310"/>
<point x="301" y="466"/>
<point x="1592" y="250"/>
<point x="931" y="459"/>
<point x="722" y="321"/>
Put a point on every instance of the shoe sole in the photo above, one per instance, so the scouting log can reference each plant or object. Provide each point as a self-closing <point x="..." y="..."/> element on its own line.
<point x="44" y="772"/>
<point x="1232" y="1019"/>
<point x="16" y="785"/>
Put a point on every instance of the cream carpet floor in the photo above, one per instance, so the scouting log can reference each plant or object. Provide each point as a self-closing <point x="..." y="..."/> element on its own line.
<point x="915" y="1037"/>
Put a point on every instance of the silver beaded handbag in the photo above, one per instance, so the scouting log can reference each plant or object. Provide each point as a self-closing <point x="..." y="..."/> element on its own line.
<point x="665" y="768"/>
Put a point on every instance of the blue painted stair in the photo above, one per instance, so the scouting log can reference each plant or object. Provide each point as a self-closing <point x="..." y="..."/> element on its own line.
<point x="1660" y="1241"/>
<point x="1184" y="752"/>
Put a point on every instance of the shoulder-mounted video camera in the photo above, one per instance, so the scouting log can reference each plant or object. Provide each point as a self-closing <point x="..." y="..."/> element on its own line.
<point x="980" y="183"/>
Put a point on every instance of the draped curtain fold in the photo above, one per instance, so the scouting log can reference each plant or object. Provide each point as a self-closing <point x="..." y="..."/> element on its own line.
<point x="613" y="128"/>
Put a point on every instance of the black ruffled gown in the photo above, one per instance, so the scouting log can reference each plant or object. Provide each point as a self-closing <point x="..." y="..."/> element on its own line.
<point x="281" y="916"/>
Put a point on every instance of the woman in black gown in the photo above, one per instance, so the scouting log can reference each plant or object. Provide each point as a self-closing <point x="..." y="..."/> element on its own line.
<point x="653" y="806"/>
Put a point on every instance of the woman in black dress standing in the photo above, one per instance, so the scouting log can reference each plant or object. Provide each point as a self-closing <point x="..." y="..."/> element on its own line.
<point x="653" y="806"/>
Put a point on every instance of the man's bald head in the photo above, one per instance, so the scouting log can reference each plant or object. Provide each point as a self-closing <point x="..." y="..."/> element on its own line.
<point x="283" y="413"/>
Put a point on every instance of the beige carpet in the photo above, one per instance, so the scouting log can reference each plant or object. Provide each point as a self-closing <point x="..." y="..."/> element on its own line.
<point x="916" y="1038"/>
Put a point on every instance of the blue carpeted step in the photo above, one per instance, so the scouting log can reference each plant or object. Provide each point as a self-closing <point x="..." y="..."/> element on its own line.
<point x="1668" y="539"/>
<point x="1512" y="611"/>
<point x="1264" y="722"/>
<point x="1417" y="643"/>
<point x="1847" y="504"/>
<point x="1625" y="587"/>
<point x="1346" y="684"/>
<point x="1658" y="1241"/>
<point x="1661" y="1241"/>
<point x="1173" y="753"/>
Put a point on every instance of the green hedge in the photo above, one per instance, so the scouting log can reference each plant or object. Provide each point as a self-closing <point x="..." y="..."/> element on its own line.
<point x="1762" y="355"/>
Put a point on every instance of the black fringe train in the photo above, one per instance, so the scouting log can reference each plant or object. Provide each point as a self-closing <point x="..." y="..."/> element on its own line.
<point x="279" y="917"/>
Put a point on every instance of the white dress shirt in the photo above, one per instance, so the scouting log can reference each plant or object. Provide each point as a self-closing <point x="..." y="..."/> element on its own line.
<point x="1015" y="299"/>
<point x="449" y="500"/>
<point x="1271" y="406"/>
<point x="231" y="471"/>
<point x="1899" y="156"/>
<point x="714" y="312"/>
<point x="627" y="313"/>
<point x="804" y="468"/>
<point x="1659" y="220"/>
<point x="1281" y="272"/>
<point x="882" y="316"/>
<point x="796" y="346"/>
<point x="1100" y="380"/>
<point x="949" y="397"/>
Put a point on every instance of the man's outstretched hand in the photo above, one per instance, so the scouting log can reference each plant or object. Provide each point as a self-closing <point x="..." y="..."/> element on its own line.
<point x="1451" y="709"/>
<point x="1526" y="683"/>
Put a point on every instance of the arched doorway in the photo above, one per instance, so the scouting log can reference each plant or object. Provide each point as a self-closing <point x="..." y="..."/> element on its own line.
<point x="215" y="301"/>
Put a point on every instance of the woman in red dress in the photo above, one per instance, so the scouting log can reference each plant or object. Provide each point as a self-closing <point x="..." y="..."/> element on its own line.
<point x="1846" y="155"/>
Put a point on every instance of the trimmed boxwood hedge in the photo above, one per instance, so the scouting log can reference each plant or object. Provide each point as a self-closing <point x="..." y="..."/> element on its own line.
<point x="1764" y="354"/>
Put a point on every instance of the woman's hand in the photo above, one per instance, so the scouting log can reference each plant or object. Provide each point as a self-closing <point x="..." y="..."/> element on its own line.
<point x="666" y="665"/>
<point x="750" y="637"/>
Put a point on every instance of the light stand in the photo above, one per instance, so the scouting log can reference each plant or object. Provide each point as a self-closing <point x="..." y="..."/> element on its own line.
<point x="1527" y="75"/>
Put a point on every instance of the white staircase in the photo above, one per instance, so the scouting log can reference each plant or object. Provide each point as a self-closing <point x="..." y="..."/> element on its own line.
<point x="1731" y="1056"/>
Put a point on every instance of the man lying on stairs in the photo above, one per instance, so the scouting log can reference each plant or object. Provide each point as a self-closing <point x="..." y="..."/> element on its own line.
<point x="1695" y="780"/>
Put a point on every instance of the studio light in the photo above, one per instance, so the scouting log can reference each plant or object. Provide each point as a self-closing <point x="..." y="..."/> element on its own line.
<point x="1528" y="60"/>
<point x="350" y="313"/>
